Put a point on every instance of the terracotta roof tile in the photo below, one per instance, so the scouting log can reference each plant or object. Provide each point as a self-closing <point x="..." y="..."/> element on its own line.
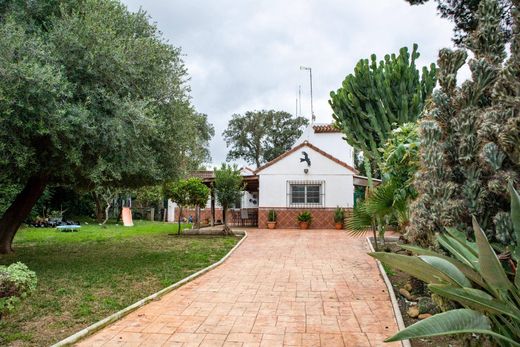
<point x="325" y="128"/>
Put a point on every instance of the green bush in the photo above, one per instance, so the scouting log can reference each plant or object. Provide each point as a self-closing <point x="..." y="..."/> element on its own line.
<point x="16" y="283"/>
<point x="305" y="216"/>
<point x="271" y="217"/>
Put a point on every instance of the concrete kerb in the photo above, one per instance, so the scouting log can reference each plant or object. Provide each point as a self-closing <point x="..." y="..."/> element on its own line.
<point x="120" y="314"/>
<point x="393" y="299"/>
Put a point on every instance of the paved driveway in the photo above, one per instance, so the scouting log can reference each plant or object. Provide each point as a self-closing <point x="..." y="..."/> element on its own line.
<point x="280" y="288"/>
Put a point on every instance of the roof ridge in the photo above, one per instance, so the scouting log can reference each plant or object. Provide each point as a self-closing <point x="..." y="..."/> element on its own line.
<point x="317" y="149"/>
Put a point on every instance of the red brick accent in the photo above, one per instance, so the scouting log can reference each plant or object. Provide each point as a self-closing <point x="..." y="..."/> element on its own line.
<point x="286" y="218"/>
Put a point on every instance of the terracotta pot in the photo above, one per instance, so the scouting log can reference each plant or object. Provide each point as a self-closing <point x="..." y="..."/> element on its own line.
<point x="338" y="226"/>
<point x="304" y="225"/>
<point x="271" y="225"/>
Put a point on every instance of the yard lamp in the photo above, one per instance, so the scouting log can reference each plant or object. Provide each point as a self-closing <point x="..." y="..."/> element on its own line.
<point x="313" y="117"/>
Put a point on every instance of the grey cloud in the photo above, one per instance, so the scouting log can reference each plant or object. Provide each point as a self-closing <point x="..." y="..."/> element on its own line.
<point x="245" y="55"/>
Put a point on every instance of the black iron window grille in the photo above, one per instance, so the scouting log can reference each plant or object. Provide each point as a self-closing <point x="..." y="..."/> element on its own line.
<point x="305" y="193"/>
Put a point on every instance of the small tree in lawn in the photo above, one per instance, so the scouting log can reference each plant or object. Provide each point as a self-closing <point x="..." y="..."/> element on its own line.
<point x="198" y="196"/>
<point x="179" y="193"/>
<point x="189" y="192"/>
<point x="228" y="187"/>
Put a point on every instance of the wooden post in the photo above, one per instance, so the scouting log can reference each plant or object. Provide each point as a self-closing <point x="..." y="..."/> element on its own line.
<point x="212" y="207"/>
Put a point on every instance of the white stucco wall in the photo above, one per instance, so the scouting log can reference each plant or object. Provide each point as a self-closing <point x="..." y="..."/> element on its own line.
<point x="338" y="180"/>
<point x="332" y="143"/>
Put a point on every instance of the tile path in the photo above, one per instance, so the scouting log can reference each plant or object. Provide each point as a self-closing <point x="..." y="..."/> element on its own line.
<point x="280" y="288"/>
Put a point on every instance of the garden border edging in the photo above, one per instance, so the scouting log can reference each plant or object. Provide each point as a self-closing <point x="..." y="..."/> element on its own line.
<point x="393" y="299"/>
<point x="120" y="314"/>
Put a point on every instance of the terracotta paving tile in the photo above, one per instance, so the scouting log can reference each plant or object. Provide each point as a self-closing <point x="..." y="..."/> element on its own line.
<point x="280" y="288"/>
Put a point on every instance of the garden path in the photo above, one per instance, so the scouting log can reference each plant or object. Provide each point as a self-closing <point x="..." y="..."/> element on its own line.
<point x="279" y="288"/>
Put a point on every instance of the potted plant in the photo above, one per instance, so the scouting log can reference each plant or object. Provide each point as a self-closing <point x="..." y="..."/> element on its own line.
<point x="271" y="219"/>
<point x="339" y="218"/>
<point x="304" y="220"/>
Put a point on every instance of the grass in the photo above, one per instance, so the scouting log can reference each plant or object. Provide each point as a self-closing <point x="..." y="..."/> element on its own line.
<point x="87" y="275"/>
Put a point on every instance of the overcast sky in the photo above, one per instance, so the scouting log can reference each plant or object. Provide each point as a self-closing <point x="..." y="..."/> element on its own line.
<point x="245" y="55"/>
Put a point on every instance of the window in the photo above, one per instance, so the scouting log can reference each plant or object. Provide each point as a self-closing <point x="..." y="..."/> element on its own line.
<point x="305" y="194"/>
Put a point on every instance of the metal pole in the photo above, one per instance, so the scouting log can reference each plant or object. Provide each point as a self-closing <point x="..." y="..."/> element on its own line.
<point x="313" y="117"/>
<point x="300" y="99"/>
<point x="312" y="108"/>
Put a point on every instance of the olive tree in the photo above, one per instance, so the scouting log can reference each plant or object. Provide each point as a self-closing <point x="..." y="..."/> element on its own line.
<point x="95" y="96"/>
<point x="229" y="188"/>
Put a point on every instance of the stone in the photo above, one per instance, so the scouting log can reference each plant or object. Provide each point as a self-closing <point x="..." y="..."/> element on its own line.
<point x="413" y="311"/>
<point x="406" y="294"/>
<point x="424" y="315"/>
<point x="408" y="287"/>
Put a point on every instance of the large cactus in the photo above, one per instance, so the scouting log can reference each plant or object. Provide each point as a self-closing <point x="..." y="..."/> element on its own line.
<point x="470" y="137"/>
<point x="378" y="97"/>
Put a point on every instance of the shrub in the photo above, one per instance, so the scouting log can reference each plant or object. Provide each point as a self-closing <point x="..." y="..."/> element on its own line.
<point x="339" y="215"/>
<point x="305" y="216"/>
<point x="16" y="283"/>
<point x="271" y="217"/>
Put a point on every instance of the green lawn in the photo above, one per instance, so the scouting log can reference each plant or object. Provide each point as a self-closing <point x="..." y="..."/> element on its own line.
<point x="85" y="276"/>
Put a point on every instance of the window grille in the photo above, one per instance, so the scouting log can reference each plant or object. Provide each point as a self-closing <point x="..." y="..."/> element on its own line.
<point x="305" y="193"/>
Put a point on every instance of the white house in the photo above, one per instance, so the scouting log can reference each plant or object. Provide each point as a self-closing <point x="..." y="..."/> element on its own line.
<point x="317" y="174"/>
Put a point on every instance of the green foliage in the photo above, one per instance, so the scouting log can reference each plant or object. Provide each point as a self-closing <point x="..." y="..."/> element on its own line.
<point x="339" y="215"/>
<point x="187" y="192"/>
<point x="304" y="216"/>
<point x="401" y="160"/>
<point x="228" y="187"/>
<point x="379" y="209"/>
<point x="16" y="283"/>
<point x="469" y="138"/>
<point x="149" y="195"/>
<point x="260" y="136"/>
<point x="379" y="97"/>
<point x="271" y="216"/>
<point x="474" y="277"/>
<point x="95" y="97"/>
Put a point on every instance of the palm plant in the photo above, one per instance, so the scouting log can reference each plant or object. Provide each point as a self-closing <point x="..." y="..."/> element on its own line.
<point x="472" y="276"/>
<point x="379" y="209"/>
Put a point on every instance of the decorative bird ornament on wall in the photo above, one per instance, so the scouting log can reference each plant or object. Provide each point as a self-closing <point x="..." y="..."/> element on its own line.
<point x="305" y="158"/>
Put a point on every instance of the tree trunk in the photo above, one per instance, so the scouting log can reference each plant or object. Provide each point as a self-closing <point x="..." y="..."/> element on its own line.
<point x="374" y="232"/>
<point x="179" y="221"/>
<point x="107" y="209"/>
<point x="197" y="217"/>
<point x="227" y="230"/>
<point x="19" y="210"/>
<point x="212" y="207"/>
<point x="99" y="207"/>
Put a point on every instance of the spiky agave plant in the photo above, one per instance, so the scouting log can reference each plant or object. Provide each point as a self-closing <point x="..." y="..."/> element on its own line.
<point x="474" y="277"/>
